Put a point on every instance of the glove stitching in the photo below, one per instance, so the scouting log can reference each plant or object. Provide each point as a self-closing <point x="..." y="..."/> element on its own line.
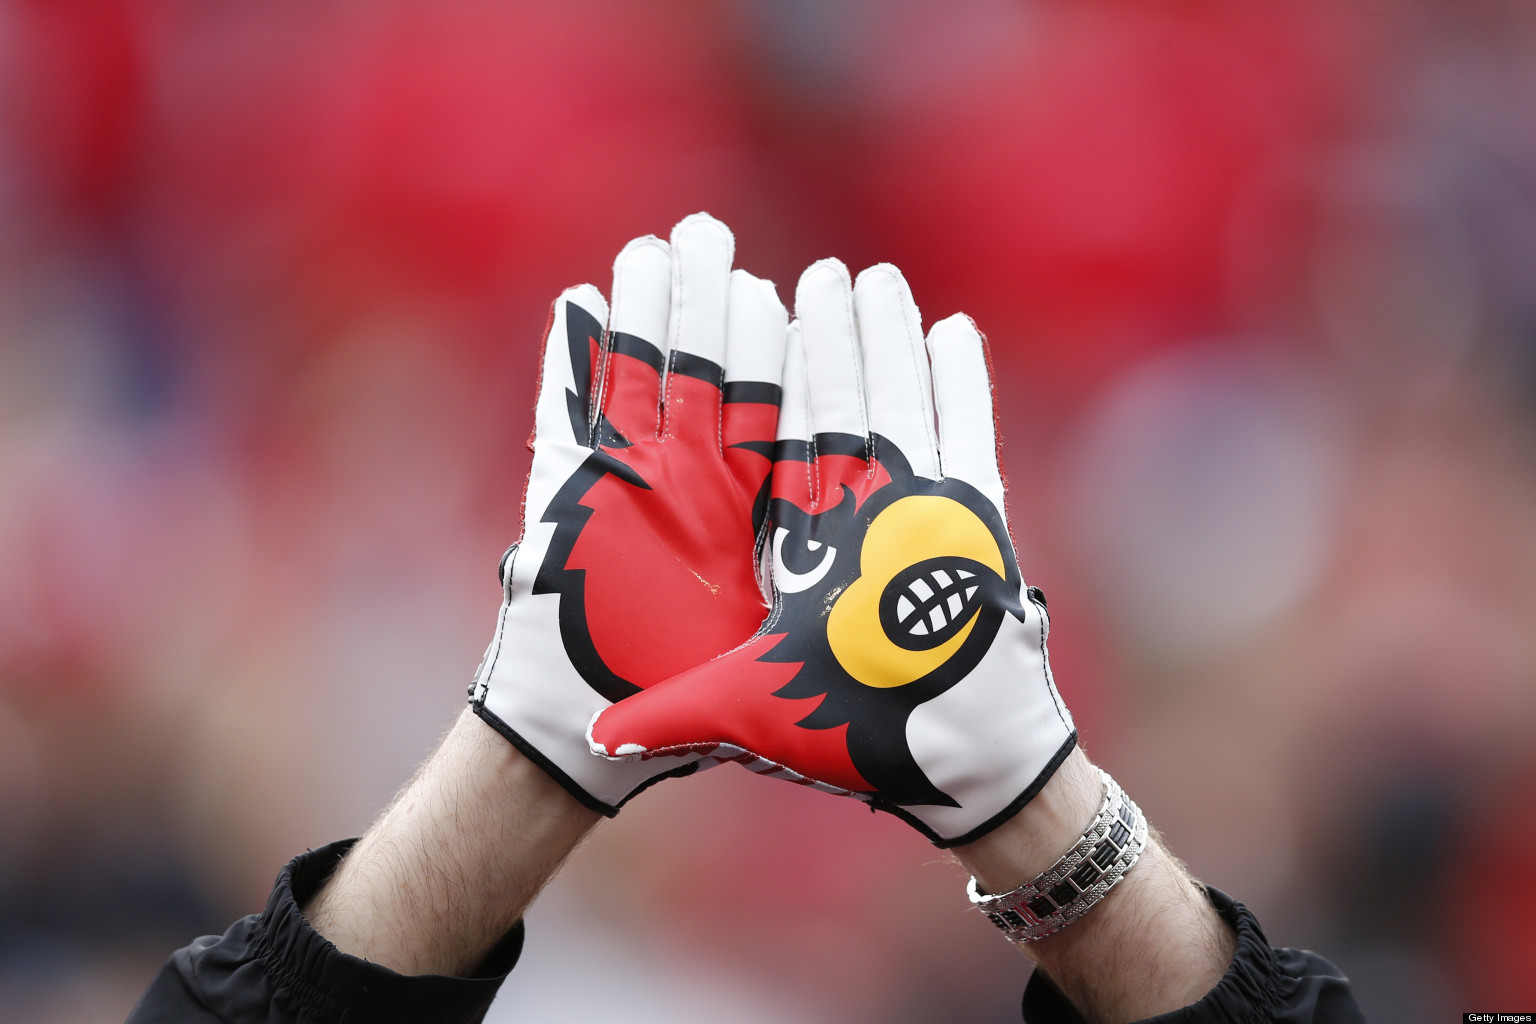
<point x="664" y="410"/>
<point x="997" y="434"/>
<point x="674" y="332"/>
<point x="720" y="382"/>
<point x="759" y="544"/>
<point x="608" y="344"/>
<point x="747" y="758"/>
<point x="812" y="470"/>
<point x="938" y="409"/>
<point x="797" y="778"/>
<point x="851" y="320"/>
<point x="533" y="436"/>
<point x="997" y="465"/>
<point x="600" y="388"/>
<point x="1045" y="662"/>
<point x="556" y="315"/>
<point x="914" y="345"/>
<point x="720" y="411"/>
<point x="774" y="615"/>
<point x="501" y="627"/>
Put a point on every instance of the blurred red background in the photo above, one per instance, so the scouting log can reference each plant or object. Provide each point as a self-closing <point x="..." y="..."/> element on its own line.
<point x="1260" y="282"/>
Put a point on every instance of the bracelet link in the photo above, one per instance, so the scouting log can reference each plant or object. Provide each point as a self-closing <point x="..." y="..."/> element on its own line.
<point x="1068" y="889"/>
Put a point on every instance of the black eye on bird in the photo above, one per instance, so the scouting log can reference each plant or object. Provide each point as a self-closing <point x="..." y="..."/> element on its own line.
<point x="804" y="545"/>
<point x="799" y="563"/>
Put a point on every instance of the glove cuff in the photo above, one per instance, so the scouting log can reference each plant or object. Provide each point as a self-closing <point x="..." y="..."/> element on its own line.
<point x="1013" y="806"/>
<point x="554" y="771"/>
<point x="533" y="754"/>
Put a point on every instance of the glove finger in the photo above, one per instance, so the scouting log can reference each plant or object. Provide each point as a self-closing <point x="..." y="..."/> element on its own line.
<point x="792" y="468"/>
<point x="963" y="399"/>
<point x="637" y="339"/>
<point x="571" y="350"/>
<point x="895" y="363"/>
<point x="756" y="335"/>
<point x="724" y="708"/>
<point x="702" y="250"/>
<point x="824" y="307"/>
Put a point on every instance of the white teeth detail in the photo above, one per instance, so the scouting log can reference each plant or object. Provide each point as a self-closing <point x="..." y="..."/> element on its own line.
<point x="944" y="609"/>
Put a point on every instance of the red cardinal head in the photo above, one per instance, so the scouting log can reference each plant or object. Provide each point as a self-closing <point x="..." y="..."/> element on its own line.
<point x="652" y="551"/>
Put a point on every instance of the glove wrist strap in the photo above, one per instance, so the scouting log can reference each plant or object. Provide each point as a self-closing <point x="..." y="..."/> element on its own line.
<point x="1072" y="886"/>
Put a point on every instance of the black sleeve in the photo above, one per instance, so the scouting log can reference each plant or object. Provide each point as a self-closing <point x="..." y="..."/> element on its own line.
<point x="1288" y="986"/>
<point x="273" y="967"/>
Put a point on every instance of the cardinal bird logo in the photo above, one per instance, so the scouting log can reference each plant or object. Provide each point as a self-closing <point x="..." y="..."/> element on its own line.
<point x="888" y="588"/>
<point x="886" y="599"/>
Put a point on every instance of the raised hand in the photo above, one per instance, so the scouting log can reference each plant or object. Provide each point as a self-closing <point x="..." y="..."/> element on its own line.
<point x="648" y="492"/>
<point x="903" y="661"/>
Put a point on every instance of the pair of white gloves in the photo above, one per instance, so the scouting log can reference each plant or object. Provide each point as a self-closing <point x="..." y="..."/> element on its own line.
<point x="772" y="541"/>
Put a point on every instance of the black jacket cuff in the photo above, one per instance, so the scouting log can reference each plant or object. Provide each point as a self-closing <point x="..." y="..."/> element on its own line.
<point x="1261" y="984"/>
<point x="274" y="967"/>
<point x="304" y="961"/>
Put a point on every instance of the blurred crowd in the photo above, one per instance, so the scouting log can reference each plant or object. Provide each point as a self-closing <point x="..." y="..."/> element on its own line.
<point x="1260" y="284"/>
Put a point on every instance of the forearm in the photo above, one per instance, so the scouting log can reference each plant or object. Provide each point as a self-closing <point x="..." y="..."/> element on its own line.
<point x="1152" y="945"/>
<point x="454" y="862"/>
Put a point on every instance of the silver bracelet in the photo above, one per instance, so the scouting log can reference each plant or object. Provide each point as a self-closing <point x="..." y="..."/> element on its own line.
<point x="1070" y="887"/>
